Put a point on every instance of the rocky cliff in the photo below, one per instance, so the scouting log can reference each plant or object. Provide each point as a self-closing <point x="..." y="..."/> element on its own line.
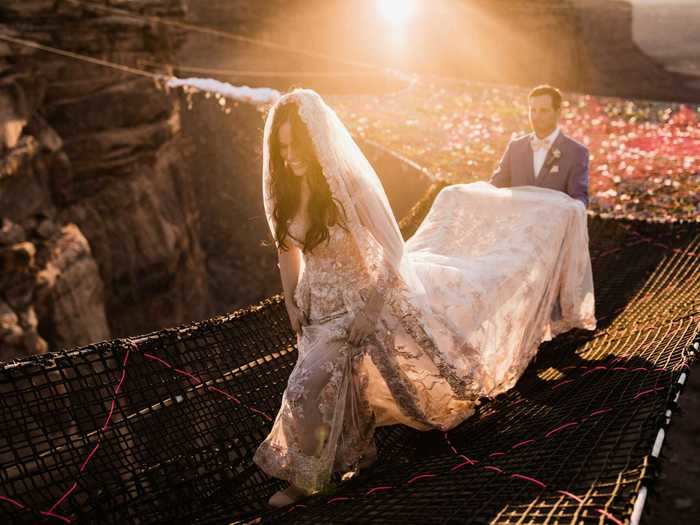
<point x="100" y="226"/>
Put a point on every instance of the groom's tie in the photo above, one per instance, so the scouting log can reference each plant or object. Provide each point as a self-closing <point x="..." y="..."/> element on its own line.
<point x="539" y="143"/>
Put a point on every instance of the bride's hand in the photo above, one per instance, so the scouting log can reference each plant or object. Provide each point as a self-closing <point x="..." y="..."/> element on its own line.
<point x="297" y="317"/>
<point x="361" y="327"/>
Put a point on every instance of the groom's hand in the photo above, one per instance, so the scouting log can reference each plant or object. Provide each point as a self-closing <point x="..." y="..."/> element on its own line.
<point x="577" y="186"/>
<point x="501" y="176"/>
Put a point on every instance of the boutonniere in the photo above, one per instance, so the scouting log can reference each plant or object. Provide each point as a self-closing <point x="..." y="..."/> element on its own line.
<point x="554" y="157"/>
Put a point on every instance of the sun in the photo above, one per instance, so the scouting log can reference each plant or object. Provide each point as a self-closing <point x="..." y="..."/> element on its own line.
<point x="396" y="11"/>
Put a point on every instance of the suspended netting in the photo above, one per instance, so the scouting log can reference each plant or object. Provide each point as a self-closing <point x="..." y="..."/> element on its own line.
<point x="162" y="429"/>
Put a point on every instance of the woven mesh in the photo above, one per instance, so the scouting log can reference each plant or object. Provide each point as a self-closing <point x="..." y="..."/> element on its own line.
<point x="162" y="429"/>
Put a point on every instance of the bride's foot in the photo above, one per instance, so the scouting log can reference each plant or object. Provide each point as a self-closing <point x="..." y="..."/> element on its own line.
<point x="366" y="461"/>
<point x="285" y="497"/>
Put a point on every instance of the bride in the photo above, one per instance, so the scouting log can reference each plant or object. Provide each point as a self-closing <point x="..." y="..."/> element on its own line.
<point x="402" y="332"/>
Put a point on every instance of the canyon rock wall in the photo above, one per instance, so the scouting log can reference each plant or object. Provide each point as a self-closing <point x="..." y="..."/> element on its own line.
<point x="100" y="225"/>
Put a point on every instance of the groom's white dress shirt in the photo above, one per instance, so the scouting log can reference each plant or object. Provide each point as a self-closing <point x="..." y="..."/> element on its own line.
<point x="540" y="154"/>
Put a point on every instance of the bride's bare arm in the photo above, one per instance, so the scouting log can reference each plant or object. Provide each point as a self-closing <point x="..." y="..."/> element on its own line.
<point x="289" y="262"/>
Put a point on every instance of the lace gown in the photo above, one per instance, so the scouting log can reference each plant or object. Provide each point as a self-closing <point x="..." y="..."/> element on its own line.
<point x="494" y="265"/>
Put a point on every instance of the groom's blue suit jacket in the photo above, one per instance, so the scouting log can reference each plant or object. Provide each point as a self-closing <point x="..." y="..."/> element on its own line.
<point x="570" y="176"/>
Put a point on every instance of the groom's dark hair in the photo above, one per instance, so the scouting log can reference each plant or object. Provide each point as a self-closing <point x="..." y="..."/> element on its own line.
<point x="546" y="89"/>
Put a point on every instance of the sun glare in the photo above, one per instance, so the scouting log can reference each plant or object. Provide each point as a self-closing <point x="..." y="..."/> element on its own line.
<point x="396" y="11"/>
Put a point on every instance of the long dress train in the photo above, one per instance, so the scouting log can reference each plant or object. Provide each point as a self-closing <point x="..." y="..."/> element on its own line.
<point x="495" y="273"/>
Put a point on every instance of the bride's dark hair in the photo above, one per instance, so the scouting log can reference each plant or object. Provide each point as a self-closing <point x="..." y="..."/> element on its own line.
<point x="286" y="187"/>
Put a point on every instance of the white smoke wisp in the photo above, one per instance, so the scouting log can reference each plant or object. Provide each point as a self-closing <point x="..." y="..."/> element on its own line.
<point x="245" y="94"/>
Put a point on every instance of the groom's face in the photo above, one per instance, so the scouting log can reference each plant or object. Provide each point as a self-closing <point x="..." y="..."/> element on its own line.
<point x="543" y="116"/>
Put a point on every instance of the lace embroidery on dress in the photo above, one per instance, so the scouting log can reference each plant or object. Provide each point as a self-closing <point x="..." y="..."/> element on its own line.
<point x="326" y="391"/>
<point x="409" y="317"/>
<point x="461" y="320"/>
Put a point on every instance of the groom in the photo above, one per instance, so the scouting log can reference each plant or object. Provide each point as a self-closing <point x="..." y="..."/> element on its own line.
<point x="547" y="157"/>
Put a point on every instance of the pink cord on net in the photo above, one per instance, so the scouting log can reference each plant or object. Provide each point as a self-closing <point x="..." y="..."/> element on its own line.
<point x="113" y="405"/>
<point x="54" y="515"/>
<point x="338" y="498"/>
<point x="449" y="443"/>
<point x="420" y="476"/>
<point x="156" y="358"/>
<point x="645" y="392"/>
<point x="531" y="480"/>
<point x="197" y="380"/>
<point x="594" y="369"/>
<point x="65" y="495"/>
<point x="609" y="516"/>
<point x="462" y="465"/>
<point x="378" y="489"/>
<point x="570" y="495"/>
<point x="523" y="443"/>
<point x="298" y="506"/>
<point x="13" y="502"/>
<point x="188" y="375"/>
<point x="469" y="460"/>
<point x="560" y="428"/>
<point x="108" y="419"/>
<point x="89" y="457"/>
<point x="225" y="394"/>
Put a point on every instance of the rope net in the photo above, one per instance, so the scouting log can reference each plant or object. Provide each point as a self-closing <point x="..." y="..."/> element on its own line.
<point x="163" y="428"/>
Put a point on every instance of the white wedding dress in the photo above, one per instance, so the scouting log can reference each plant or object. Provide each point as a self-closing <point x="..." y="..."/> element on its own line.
<point x="488" y="276"/>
